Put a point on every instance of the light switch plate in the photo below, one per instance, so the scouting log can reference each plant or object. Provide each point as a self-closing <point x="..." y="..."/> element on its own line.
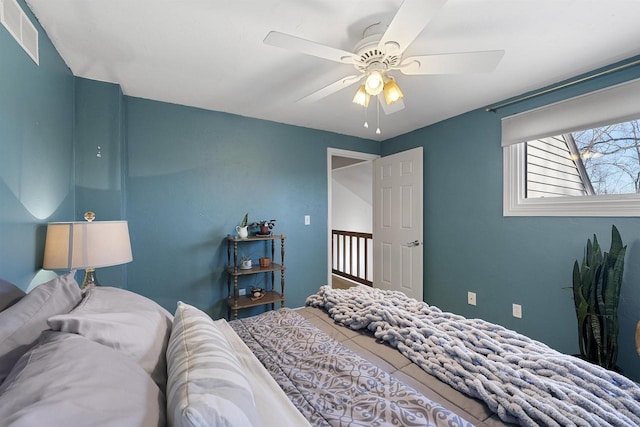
<point x="517" y="311"/>
<point x="471" y="298"/>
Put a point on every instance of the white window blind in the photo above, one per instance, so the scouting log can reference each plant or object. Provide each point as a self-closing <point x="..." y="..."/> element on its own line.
<point x="614" y="104"/>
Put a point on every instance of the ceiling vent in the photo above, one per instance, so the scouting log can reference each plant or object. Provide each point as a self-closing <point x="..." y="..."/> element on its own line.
<point x="20" y="27"/>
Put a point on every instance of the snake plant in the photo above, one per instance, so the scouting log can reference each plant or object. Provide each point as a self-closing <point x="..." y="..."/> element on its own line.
<point x="596" y="293"/>
<point x="245" y="220"/>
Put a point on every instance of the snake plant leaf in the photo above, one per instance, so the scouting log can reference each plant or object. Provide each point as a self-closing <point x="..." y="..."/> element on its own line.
<point x="616" y="241"/>
<point x="245" y="220"/>
<point x="581" y="305"/>
<point x="595" y="323"/>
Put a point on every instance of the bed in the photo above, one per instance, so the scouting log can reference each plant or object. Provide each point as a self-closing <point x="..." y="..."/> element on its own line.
<point x="334" y="380"/>
<point x="356" y="357"/>
<point x="477" y="373"/>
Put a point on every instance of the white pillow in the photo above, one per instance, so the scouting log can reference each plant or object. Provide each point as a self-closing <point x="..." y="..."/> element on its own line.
<point x="124" y="321"/>
<point x="67" y="380"/>
<point x="206" y="384"/>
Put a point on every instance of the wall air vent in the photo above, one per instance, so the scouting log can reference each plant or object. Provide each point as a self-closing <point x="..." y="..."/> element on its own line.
<point x="20" y="27"/>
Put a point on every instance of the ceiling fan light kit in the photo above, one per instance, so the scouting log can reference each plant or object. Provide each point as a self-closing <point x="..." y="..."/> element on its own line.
<point x="381" y="50"/>
<point x="392" y="92"/>
<point x="374" y="83"/>
<point x="362" y="97"/>
<point x="374" y="86"/>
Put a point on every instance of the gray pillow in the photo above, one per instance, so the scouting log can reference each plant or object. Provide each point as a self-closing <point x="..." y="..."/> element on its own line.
<point x="9" y="294"/>
<point x="22" y="323"/>
<point x="124" y="321"/>
<point x="68" y="380"/>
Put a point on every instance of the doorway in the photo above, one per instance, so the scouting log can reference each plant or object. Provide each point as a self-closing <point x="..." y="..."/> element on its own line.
<point x="396" y="226"/>
<point x="350" y="189"/>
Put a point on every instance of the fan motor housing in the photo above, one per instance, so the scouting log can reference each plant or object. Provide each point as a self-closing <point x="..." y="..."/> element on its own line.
<point x="368" y="53"/>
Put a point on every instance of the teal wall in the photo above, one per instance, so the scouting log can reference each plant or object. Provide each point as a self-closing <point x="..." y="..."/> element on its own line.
<point x="36" y="154"/>
<point x="193" y="174"/>
<point x="99" y="172"/>
<point x="470" y="246"/>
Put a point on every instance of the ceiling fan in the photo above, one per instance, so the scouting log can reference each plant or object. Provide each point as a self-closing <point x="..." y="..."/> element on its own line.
<point x="381" y="51"/>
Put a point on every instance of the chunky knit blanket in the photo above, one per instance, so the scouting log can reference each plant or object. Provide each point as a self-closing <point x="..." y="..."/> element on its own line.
<point x="522" y="380"/>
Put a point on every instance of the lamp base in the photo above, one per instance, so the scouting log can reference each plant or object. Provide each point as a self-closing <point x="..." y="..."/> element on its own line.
<point x="90" y="279"/>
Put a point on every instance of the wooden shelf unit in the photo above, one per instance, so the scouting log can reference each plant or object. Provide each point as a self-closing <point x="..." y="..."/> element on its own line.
<point x="234" y="272"/>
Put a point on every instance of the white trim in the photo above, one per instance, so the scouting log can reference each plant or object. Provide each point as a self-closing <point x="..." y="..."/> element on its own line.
<point x="614" y="104"/>
<point x="342" y="153"/>
<point x="515" y="202"/>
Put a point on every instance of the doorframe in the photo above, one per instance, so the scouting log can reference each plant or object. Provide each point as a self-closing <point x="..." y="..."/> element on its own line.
<point x="342" y="153"/>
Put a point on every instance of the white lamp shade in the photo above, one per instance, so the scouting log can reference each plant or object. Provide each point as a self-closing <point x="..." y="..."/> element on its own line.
<point x="78" y="245"/>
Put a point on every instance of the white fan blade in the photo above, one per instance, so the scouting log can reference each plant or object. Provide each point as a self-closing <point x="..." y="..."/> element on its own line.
<point x="287" y="41"/>
<point x="409" y="21"/>
<point x="452" y="63"/>
<point x="390" y="109"/>
<point x="332" y="88"/>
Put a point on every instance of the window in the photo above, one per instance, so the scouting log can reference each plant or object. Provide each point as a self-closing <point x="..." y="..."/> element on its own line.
<point x="611" y="157"/>
<point x="555" y="168"/>
<point x="580" y="157"/>
<point x="603" y="160"/>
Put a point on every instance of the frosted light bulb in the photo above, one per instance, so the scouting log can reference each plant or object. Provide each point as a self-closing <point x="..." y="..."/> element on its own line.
<point x="366" y="125"/>
<point x="378" y="131"/>
<point x="374" y="83"/>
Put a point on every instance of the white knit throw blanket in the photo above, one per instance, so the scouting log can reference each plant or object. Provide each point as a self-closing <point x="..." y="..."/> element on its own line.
<point x="520" y="379"/>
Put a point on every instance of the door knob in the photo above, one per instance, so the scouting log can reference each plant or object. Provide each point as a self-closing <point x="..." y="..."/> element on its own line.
<point x="413" y="244"/>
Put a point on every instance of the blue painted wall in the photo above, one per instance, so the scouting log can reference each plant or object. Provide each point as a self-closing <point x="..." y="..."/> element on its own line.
<point x="191" y="177"/>
<point x="470" y="246"/>
<point x="99" y="147"/>
<point x="36" y="154"/>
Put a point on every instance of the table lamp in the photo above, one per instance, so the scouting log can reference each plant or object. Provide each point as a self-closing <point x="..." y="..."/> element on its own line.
<point x="87" y="245"/>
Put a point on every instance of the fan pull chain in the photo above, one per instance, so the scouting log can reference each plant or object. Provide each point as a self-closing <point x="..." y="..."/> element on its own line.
<point x="378" y="117"/>
<point x="366" y="125"/>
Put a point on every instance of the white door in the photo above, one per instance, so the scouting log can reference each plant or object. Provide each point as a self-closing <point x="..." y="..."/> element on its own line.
<point x="397" y="222"/>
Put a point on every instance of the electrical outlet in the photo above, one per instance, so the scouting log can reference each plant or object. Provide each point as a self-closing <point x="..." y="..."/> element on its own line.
<point x="471" y="298"/>
<point x="307" y="219"/>
<point x="517" y="311"/>
<point x="242" y="292"/>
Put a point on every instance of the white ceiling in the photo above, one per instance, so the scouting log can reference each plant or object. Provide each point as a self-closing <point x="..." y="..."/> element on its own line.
<point x="209" y="53"/>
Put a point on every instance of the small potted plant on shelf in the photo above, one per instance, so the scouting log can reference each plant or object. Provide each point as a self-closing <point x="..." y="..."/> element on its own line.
<point x="265" y="262"/>
<point x="245" y="262"/>
<point x="264" y="227"/>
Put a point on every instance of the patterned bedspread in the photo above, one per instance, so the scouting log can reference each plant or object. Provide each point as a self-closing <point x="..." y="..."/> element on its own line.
<point x="329" y="384"/>
<point x="522" y="380"/>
